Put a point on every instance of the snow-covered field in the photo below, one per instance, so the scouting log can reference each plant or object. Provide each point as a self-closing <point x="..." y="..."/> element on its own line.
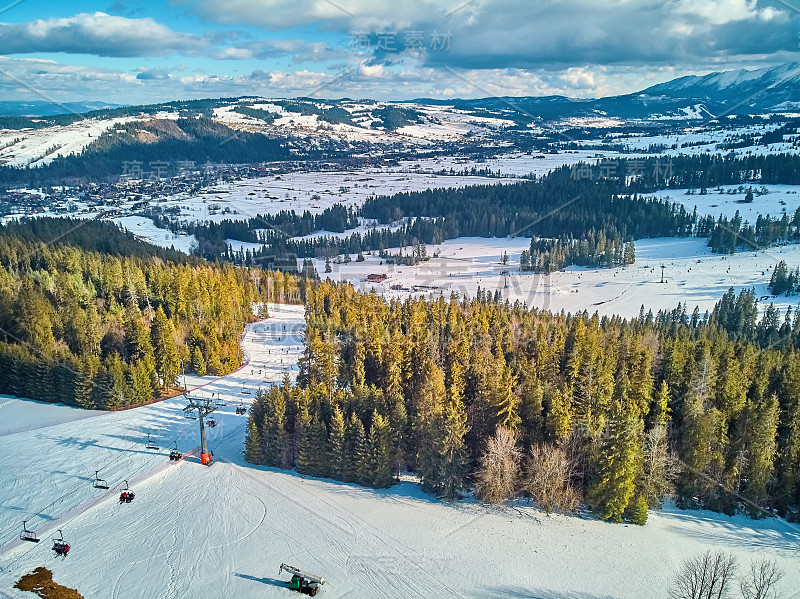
<point x="222" y="531"/>
<point x="312" y="191"/>
<point x="144" y="228"/>
<point x="512" y="164"/>
<point x="692" y="274"/>
<point x="777" y="200"/>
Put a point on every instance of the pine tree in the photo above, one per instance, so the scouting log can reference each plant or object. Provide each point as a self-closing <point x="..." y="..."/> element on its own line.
<point x="638" y="511"/>
<point x="320" y="449"/>
<point x="659" y="411"/>
<point x="354" y="449"/>
<point x="141" y="377"/>
<point x="273" y="437"/>
<point x="559" y="417"/>
<point x="453" y="451"/>
<point x="381" y="452"/>
<point x="761" y="451"/>
<point x="338" y="457"/>
<point x="619" y="462"/>
<point x="358" y="365"/>
<point x="198" y="362"/>
<point x="252" y="442"/>
<point x="164" y="350"/>
<point x="508" y="401"/>
<point x="788" y="465"/>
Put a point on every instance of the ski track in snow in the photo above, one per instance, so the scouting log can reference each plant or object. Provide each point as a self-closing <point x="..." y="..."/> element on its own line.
<point x="196" y="532"/>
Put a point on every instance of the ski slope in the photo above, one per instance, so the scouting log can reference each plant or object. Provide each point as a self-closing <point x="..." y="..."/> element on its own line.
<point x="692" y="274"/>
<point x="199" y="532"/>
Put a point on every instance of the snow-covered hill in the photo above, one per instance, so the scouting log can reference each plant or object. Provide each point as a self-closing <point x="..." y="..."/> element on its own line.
<point x="765" y="90"/>
<point x="222" y="531"/>
<point x="486" y="125"/>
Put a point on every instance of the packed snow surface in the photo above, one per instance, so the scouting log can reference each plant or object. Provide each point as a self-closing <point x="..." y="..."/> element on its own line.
<point x="195" y="531"/>
<point x="18" y="415"/>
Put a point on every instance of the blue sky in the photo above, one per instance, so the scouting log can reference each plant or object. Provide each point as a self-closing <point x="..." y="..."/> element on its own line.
<point x="140" y="51"/>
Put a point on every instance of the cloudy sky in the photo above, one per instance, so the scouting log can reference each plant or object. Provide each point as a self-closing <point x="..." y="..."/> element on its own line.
<point x="141" y="51"/>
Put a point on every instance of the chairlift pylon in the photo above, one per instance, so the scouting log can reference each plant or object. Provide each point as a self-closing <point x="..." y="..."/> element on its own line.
<point x="99" y="483"/>
<point x="28" y="535"/>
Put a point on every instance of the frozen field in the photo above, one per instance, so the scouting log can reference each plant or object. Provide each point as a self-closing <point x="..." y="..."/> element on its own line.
<point x="222" y="531"/>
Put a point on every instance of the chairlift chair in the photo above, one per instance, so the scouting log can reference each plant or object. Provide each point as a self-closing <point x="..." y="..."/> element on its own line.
<point x="28" y="535"/>
<point x="245" y="390"/>
<point x="150" y="444"/>
<point x="127" y="495"/>
<point x="60" y="546"/>
<point x="99" y="483"/>
<point x="175" y="454"/>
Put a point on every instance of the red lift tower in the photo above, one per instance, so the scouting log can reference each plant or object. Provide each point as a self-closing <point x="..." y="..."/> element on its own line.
<point x="204" y="407"/>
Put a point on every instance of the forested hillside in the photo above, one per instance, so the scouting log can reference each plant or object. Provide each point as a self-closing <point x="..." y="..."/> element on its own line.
<point x="485" y="395"/>
<point x="109" y="328"/>
<point x="583" y="214"/>
<point x="195" y="139"/>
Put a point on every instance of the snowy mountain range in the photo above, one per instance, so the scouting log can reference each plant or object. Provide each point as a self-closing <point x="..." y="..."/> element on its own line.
<point x="303" y="127"/>
<point x="43" y="108"/>
<point x="771" y="89"/>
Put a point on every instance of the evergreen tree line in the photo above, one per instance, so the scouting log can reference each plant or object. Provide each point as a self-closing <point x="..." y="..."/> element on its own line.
<point x="603" y="249"/>
<point x="729" y="235"/>
<point x="783" y="280"/>
<point x="616" y="414"/>
<point x="103" y="331"/>
<point x="564" y="204"/>
<point x="697" y="171"/>
<point x="553" y="205"/>
<point x="700" y="171"/>
<point x="267" y="227"/>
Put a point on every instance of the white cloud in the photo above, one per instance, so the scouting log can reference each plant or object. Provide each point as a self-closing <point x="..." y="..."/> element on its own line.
<point x="543" y="33"/>
<point x="99" y="34"/>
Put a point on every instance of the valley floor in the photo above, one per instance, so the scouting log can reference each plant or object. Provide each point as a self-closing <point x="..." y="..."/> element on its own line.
<point x="223" y="531"/>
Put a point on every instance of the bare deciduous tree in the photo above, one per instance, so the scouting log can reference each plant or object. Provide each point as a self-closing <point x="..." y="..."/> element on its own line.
<point x="548" y="476"/>
<point x="760" y="580"/>
<point x="660" y="467"/>
<point x="498" y="477"/>
<point x="705" y="576"/>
